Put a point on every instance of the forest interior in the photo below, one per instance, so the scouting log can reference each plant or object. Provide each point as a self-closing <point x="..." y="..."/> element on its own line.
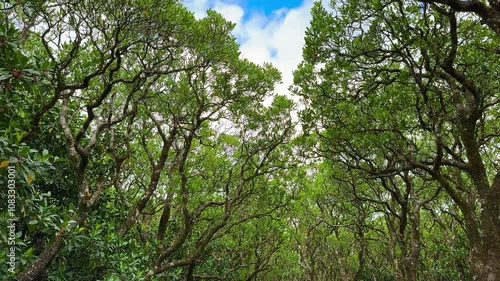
<point x="137" y="143"/>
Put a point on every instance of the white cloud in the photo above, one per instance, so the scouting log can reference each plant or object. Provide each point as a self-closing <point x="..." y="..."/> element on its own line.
<point x="232" y="13"/>
<point x="197" y="6"/>
<point x="277" y="38"/>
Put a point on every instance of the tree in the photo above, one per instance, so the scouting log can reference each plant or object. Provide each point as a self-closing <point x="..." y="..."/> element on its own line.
<point x="397" y="87"/>
<point x="488" y="12"/>
<point x="135" y="99"/>
<point x="37" y="168"/>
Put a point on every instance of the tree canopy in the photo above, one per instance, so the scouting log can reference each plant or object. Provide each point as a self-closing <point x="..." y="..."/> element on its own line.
<point x="403" y="95"/>
<point x="136" y="143"/>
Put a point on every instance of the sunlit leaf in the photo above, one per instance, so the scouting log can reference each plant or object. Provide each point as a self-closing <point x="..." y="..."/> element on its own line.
<point x="4" y="163"/>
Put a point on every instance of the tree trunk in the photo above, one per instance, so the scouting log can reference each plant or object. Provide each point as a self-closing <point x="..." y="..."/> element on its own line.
<point x="485" y="260"/>
<point x="484" y="268"/>
<point x="36" y="268"/>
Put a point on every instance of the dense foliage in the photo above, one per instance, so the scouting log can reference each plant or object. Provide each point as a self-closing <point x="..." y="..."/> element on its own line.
<point x="403" y="99"/>
<point x="145" y="148"/>
<point x="136" y="144"/>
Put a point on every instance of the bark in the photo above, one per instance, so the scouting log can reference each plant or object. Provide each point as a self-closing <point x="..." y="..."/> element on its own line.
<point x="485" y="248"/>
<point x="190" y="271"/>
<point x="361" y="254"/>
<point x="484" y="266"/>
<point x="35" y="269"/>
<point x="485" y="252"/>
<point x="489" y="14"/>
<point x="165" y="217"/>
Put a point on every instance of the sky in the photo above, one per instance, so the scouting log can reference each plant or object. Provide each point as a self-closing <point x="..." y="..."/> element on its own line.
<point x="266" y="6"/>
<point x="267" y="30"/>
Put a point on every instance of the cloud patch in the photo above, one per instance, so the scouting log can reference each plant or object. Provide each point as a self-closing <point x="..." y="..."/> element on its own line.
<point x="277" y="38"/>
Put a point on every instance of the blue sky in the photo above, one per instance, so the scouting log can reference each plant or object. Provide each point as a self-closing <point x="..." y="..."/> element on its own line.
<point x="268" y="6"/>
<point x="267" y="31"/>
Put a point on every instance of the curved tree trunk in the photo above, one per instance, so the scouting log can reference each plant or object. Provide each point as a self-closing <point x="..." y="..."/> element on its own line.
<point x="35" y="269"/>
